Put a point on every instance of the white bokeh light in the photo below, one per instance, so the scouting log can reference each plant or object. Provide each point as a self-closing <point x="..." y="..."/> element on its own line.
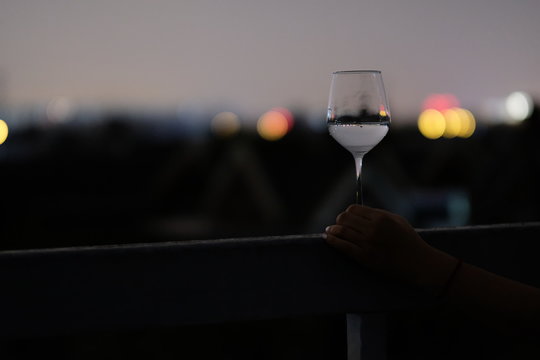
<point x="519" y="106"/>
<point x="59" y="109"/>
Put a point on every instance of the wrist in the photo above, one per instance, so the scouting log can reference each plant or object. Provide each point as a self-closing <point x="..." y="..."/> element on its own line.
<point x="436" y="271"/>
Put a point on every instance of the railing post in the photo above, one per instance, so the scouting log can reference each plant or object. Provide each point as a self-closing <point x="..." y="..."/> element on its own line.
<point x="366" y="337"/>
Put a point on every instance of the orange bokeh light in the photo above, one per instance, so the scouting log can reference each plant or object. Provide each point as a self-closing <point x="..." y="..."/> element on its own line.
<point x="273" y="125"/>
<point x="288" y="115"/>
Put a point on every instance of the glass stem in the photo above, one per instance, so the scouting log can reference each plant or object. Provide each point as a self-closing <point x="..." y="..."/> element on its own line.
<point x="358" y="163"/>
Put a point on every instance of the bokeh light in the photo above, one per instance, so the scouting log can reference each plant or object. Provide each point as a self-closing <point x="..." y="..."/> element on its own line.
<point x="468" y="122"/>
<point x="440" y="102"/>
<point x="225" y="124"/>
<point x="288" y="115"/>
<point x="4" y="130"/>
<point x="453" y="123"/>
<point x="273" y="125"/>
<point x="442" y="116"/>
<point x="519" y="106"/>
<point x="59" y="109"/>
<point x="431" y="123"/>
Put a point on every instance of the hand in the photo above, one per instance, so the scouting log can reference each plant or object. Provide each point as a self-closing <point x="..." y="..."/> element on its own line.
<point x="387" y="243"/>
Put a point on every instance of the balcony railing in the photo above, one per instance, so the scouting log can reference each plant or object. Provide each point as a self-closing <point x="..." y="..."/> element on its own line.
<point x="57" y="292"/>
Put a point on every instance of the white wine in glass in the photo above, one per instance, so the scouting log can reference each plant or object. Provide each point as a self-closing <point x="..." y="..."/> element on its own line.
<point x="358" y="115"/>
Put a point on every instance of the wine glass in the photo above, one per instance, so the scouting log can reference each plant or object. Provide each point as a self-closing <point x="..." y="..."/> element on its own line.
<point x="358" y="115"/>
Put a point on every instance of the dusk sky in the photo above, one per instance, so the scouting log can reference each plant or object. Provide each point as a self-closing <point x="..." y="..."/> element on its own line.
<point x="250" y="56"/>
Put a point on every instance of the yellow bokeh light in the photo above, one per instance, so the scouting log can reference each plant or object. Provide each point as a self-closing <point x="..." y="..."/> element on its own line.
<point x="468" y="123"/>
<point x="431" y="123"/>
<point x="225" y="124"/>
<point x="3" y="131"/>
<point x="453" y="123"/>
<point x="450" y="123"/>
<point x="272" y="125"/>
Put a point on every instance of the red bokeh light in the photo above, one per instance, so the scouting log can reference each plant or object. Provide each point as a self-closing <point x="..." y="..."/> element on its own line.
<point x="288" y="115"/>
<point x="440" y="102"/>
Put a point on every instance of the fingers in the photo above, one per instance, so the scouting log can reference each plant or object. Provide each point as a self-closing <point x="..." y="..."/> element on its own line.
<point x="356" y="217"/>
<point x="361" y="210"/>
<point x="350" y="220"/>
<point x="345" y="233"/>
<point x="346" y="247"/>
<point x="351" y="233"/>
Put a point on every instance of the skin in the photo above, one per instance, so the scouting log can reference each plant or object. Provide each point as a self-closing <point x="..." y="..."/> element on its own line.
<point x="386" y="243"/>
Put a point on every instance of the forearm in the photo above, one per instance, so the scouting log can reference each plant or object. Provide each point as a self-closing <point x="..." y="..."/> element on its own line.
<point x="499" y="302"/>
<point x="478" y="295"/>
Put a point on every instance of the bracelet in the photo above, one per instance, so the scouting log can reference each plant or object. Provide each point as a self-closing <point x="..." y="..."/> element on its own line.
<point x="450" y="279"/>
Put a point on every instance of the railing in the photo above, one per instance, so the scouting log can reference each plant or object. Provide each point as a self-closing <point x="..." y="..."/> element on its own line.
<point x="55" y="292"/>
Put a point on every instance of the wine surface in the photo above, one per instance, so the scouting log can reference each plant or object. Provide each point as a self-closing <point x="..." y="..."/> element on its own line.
<point x="358" y="138"/>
